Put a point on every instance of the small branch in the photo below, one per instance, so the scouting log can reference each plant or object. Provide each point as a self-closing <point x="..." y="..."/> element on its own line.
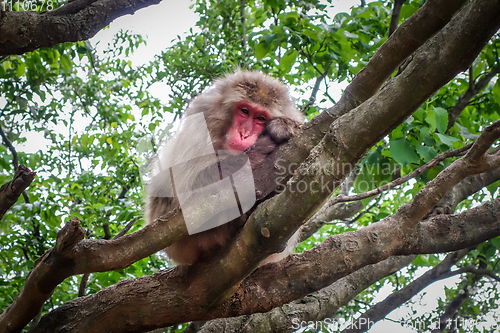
<point x="473" y="90"/>
<point x="10" y="192"/>
<point x="107" y="232"/>
<point x="417" y="172"/>
<point x="396" y="12"/>
<point x="15" y="159"/>
<point x="242" y="18"/>
<point x="124" y="191"/>
<point x="8" y="144"/>
<point x="127" y="228"/>
<point x="315" y="90"/>
<point x="83" y="284"/>
<point x="367" y="210"/>
<point x="478" y="271"/>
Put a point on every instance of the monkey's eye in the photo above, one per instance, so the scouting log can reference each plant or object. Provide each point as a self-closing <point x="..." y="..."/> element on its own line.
<point x="245" y="111"/>
<point x="261" y="118"/>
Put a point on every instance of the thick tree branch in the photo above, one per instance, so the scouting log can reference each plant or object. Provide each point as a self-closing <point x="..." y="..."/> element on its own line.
<point x="142" y="301"/>
<point x="85" y="277"/>
<point x="341" y="254"/>
<point x="314" y="307"/>
<point x="376" y="242"/>
<point x="414" y="32"/>
<point x="436" y="63"/>
<point x="78" y="20"/>
<point x="70" y="258"/>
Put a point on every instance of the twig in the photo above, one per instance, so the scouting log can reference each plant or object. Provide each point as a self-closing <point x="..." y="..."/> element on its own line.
<point x="396" y="12"/>
<point x="314" y="92"/>
<point x="396" y="182"/>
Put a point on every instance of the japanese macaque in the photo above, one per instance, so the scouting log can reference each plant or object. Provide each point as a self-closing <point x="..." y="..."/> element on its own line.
<point x="244" y="112"/>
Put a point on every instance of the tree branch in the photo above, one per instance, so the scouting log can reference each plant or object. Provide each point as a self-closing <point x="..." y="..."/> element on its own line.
<point x="376" y="242"/>
<point x="473" y="90"/>
<point x="477" y="271"/>
<point x="335" y="258"/>
<point x="396" y="12"/>
<point x="8" y="144"/>
<point x="70" y="258"/>
<point x="414" y="32"/>
<point x="9" y="192"/>
<point x="315" y="90"/>
<point x="314" y="307"/>
<point x="456" y="303"/>
<point x="415" y="173"/>
<point x="242" y="18"/>
<point x="78" y="20"/>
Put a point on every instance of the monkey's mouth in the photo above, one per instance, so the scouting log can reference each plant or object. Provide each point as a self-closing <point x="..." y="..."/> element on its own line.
<point x="236" y="146"/>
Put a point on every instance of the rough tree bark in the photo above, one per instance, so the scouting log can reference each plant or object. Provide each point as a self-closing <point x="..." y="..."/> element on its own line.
<point x="10" y="192"/>
<point x="76" y="20"/>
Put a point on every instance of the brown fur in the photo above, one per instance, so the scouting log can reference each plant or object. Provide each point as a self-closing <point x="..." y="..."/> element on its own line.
<point x="217" y="104"/>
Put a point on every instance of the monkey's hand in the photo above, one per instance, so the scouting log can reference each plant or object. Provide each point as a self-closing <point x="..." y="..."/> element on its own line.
<point x="277" y="131"/>
<point x="281" y="129"/>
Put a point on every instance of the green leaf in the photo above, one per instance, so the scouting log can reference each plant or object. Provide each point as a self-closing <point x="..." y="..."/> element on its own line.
<point x="66" y="64"/>
<point x="403" y="152"/>
<point x="288" y="60"/>
<point x="446" y="139"/>
<point x="493" y="187"/>
<point x="496" y="92"/>
<point x="84" y="139"/>
<point x="20" y="70"/>
<point x="262" y="50"/>
<point x="427" y="153"/>
<point x="431" y="119"/>
<point x="496" y="242"/>
<point x="441" y="117"/>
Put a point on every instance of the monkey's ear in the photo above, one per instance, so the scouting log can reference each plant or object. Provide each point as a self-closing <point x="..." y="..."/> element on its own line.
<point x="281" y="129"/>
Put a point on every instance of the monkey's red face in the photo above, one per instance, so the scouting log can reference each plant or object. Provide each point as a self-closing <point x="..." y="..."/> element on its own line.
<point x="249" y="122"/>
